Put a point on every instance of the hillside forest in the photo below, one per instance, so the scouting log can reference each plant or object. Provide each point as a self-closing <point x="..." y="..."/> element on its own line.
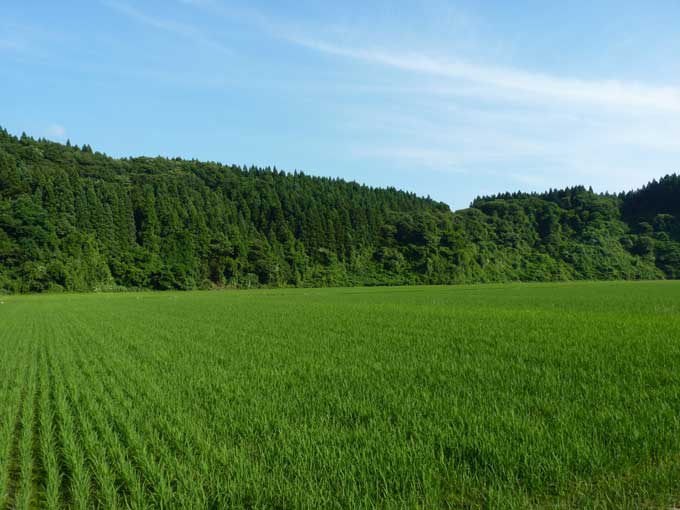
<point x="72" y="219"/>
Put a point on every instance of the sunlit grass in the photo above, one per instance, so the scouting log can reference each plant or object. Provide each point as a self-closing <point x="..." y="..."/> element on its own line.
<point x="498" y="396"/>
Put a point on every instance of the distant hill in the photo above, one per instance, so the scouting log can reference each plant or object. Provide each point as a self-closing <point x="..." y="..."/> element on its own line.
<point x="74" y="219"/>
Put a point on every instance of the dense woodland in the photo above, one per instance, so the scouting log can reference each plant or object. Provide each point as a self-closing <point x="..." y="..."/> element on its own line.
<point x="75" y="219"/>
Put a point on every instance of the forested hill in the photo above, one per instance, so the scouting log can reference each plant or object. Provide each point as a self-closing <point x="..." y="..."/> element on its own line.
<point x="74" y="219"/>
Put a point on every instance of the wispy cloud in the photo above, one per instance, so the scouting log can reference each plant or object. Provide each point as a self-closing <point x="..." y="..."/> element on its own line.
<point x="517" y="145"/>
<point x="183" y="30"/>
<point x="454" y="115"/>
<point x="56" y="131"/>
<point x="485" y="80"/>
<point x="608" y="92"/>
<point x="464" y="112"/>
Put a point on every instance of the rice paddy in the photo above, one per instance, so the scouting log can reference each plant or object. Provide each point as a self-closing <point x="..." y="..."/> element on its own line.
<point x="490" y="396"/>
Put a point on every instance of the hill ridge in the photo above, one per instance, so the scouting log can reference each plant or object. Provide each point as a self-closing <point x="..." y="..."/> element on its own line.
<point x="75" y="219"/>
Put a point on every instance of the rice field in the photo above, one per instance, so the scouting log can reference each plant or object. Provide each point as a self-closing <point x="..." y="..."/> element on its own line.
<point x="494" y="396"/>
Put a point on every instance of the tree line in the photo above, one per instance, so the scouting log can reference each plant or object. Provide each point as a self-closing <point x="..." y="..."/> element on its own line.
<point x="75" y="219"/>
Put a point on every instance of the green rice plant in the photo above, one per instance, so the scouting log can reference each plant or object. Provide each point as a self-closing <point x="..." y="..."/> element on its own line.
<point x="77" y="474"/>
<point x="105" y="492"/>
<point x="129" y="485"/>
<point x="172" y="439"/>
<point x="14" y="370"/>
<point x="25" y="487"/>
<point x="11" y="432"/>
<point x="492" y="396"/>
<point x="126" y="456"/>
<point x="52" y="476"/>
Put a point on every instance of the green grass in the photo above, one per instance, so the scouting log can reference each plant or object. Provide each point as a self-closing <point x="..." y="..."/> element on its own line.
<point x="503" y="396"/>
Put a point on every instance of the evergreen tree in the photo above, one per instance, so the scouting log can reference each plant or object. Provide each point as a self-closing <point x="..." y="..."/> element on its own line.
<point x="75" y="219"/>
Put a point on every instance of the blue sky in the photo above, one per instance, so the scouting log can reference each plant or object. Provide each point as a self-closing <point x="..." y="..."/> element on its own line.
<point x="445" y="98"/>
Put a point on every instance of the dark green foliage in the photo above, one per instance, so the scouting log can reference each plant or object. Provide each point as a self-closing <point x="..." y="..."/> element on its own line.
<point x="75" y="219"/>
<point x="654" y="213"/>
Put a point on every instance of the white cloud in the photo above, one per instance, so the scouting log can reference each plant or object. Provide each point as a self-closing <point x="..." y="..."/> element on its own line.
<point x="183" y="30"/>
<point x="470" y="78"/>
<point x="536" y="130"/>
<point x="489" y="123"/>
<point x="604" y="92"/>
<point x="56" y="131"/>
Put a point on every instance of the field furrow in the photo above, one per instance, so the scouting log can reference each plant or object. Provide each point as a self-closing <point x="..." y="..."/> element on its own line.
<point x="23" y="492"/>
<point x="13" y="438"/>
<point x="51" y="476"/>
<point x="76" y="481"/>
<point x="157" y="452"/>
<point x="102" y="490"/>
<point x="129" y="480"/>
<point x="513" y="397"/>
<point x="13" y="394"/>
